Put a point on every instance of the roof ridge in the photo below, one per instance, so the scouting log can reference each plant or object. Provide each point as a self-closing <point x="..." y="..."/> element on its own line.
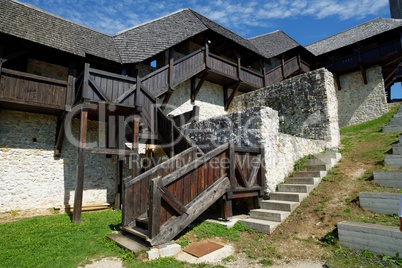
<point x="261" y="35"/>
<point x="58" y="17"/>
<point x="150" y="21"/>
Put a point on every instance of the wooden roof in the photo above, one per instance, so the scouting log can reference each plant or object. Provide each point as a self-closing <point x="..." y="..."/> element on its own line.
<point x="274" y="43"/>
<point x="26" y="22"/>
<point x="354" y="35"/>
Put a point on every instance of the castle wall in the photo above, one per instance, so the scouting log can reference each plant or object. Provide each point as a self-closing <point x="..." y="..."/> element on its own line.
<point x="32" y="178"/>
<point x="359" y="102"/>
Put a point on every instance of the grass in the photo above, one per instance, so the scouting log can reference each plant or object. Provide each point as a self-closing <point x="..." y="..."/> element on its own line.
<point x="53" y="241"/>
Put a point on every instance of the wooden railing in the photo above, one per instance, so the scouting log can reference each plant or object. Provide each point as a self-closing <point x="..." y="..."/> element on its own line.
<point x="366" y="56"/>
<point x="284" y="71"/>
<point x="180" y="197"/>
<point x="177" y="191"/>
<point x="136" y="190"/>
<point x="108" y="87"/>
<point x="34" y="90"/>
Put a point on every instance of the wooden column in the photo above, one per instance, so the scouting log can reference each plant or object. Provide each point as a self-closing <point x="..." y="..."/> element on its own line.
<point x="79" y="187"/>
<point x="135" y="156"/>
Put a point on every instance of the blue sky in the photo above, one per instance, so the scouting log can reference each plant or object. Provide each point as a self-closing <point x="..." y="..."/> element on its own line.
<point x="306" y="21"/>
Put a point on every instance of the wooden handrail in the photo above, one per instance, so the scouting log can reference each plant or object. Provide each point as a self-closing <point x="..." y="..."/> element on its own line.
<point x="34" y="76"/>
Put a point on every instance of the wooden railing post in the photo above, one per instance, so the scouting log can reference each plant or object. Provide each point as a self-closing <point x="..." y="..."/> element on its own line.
<point x="154" y="208"/>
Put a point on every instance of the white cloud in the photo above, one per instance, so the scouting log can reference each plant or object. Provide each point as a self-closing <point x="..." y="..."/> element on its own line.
<point x="110" y="16"/>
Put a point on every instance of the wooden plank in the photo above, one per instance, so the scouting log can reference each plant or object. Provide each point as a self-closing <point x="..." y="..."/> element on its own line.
<point x="254" y="171"/>
<point x="195" y="208"/>
<point x="241" y="178"/>
<point x="79" y="188"/>
<point x="171" y="200"/>
<point x="193" y="165"/>
<point x="111" y="75"/>
<point x="111" y="151"/>
<point x="97" y="89"/>
<point x="34" y="76"/>
<point x="155" y="207"/>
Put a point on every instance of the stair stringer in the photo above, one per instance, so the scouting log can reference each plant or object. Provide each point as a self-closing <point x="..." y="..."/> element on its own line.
<point x="194" y="209"/>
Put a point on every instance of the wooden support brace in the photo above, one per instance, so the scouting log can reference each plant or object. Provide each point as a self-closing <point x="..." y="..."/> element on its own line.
<point x="364" y="74"/>
<point x="166" y="99"/>
<point x="230" y="99"/>
<point x="59" y="136"/>
<point x="79" y="187"/>
<point x="194" y="92"/>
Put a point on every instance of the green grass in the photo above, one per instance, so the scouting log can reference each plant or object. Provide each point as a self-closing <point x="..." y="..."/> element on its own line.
<point x="53" y="241"/>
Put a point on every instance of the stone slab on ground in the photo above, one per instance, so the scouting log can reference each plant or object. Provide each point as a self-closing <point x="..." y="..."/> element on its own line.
<point x="214" y="257"/>
<point x="375" y="238"/>
<point x="388" y="178"/>
<point x="382" y="203"/>
<point x="165" y="250"/>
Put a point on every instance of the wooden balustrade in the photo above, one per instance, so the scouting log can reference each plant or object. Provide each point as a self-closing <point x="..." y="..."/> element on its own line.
<point x="34" y="90"/>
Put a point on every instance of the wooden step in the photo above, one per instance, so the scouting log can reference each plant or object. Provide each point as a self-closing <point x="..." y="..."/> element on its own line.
<point x="130" y="242"/>
<point x="137" y="231"/>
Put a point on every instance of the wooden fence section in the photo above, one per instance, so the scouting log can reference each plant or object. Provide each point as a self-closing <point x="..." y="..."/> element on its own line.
<point x="180" y="197"/>
<point x="136" y="190"/>
<point x="288" y="68"/>
<point x="33" y="90"/>
<point x="188" y="66"/>
<point x="108" y="87"/>
<point x="366" y="56"/>
<point x="176" y="192"/>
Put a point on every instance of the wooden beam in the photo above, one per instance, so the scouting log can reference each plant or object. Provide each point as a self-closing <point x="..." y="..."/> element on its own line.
<point x="254" y="172"/>
<point x="79" y="187"/>
<point x="171" y="69"/>
<point x="194" y="92"/>
<point x="166" y="99"/>
<point x="243" y="180"/>
<point x="118" y="185"/>
<point x="154" y="208"/>
<point x="138" y="101"/>
<point x="98" y="90"/>
<point x="135" y="155"/>
<point x="59" y="135"/>
<point x="364" y="74"/>
<point x="230" y="99"/>
<point x="171" y="199"/>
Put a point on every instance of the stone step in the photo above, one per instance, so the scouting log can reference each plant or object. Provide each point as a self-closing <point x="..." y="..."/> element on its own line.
<point x="394" y="161"/>
<point x="322" y="167"/>
<point x="286" y="206"/>
<point x="269" y="215"/>
<point x="294" y="197"/>
<point x="376" y="238"/>
<point x="330" y="159"/>
<point x="381" y="203"/>
<point x="260" y="225"/>
<point x="397" y="149"/>
<point x="304" y="174"/>
<point x="295" y="188"/>
<point x="303" y="180"/>
<point x="315" y="162"/>
<point x="388" y="178"/>
<point x="400" y="139"/>
<point x="391" y="129"/>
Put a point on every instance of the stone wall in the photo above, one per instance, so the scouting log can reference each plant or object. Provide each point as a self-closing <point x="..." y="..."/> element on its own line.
<point x="209" y="99"/>
<point x="32" y="178"/>
<point x="256" y="127"/>
<point x="359" y="102"/>
<point x="306" y="104"/>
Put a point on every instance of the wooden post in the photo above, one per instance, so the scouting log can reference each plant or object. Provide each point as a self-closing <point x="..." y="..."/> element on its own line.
<point x="154" y="208"/>
<point x="171" y="68"/>
<point x="206" y="53"/>
<point x="118" y="184"/>
<point x="135" y="156"/>
<point x="79" y="187"/>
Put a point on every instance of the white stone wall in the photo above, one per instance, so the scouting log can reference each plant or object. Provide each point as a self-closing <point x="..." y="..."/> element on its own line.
<point x="282" y="150"/>
<point x="209" y="99"/>
<point x="359" y="103"/>
<point x="32" y="178"/>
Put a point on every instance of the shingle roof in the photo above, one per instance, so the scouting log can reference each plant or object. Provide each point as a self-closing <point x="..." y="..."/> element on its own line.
<point x="27" y="22"/>
<point x="144" y="41"/>
<point x="274" y="43"/>
<point x="354" y="35"/>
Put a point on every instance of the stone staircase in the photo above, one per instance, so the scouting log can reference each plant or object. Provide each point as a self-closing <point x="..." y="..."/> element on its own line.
<point x="395" y="124"/>
<point x="290" y="194"/>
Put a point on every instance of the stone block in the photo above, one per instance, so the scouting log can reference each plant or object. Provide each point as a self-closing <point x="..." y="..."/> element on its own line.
<point x="388" y="178"/>
<point x="372" y="237"/>
<point x="382" y="203"/>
